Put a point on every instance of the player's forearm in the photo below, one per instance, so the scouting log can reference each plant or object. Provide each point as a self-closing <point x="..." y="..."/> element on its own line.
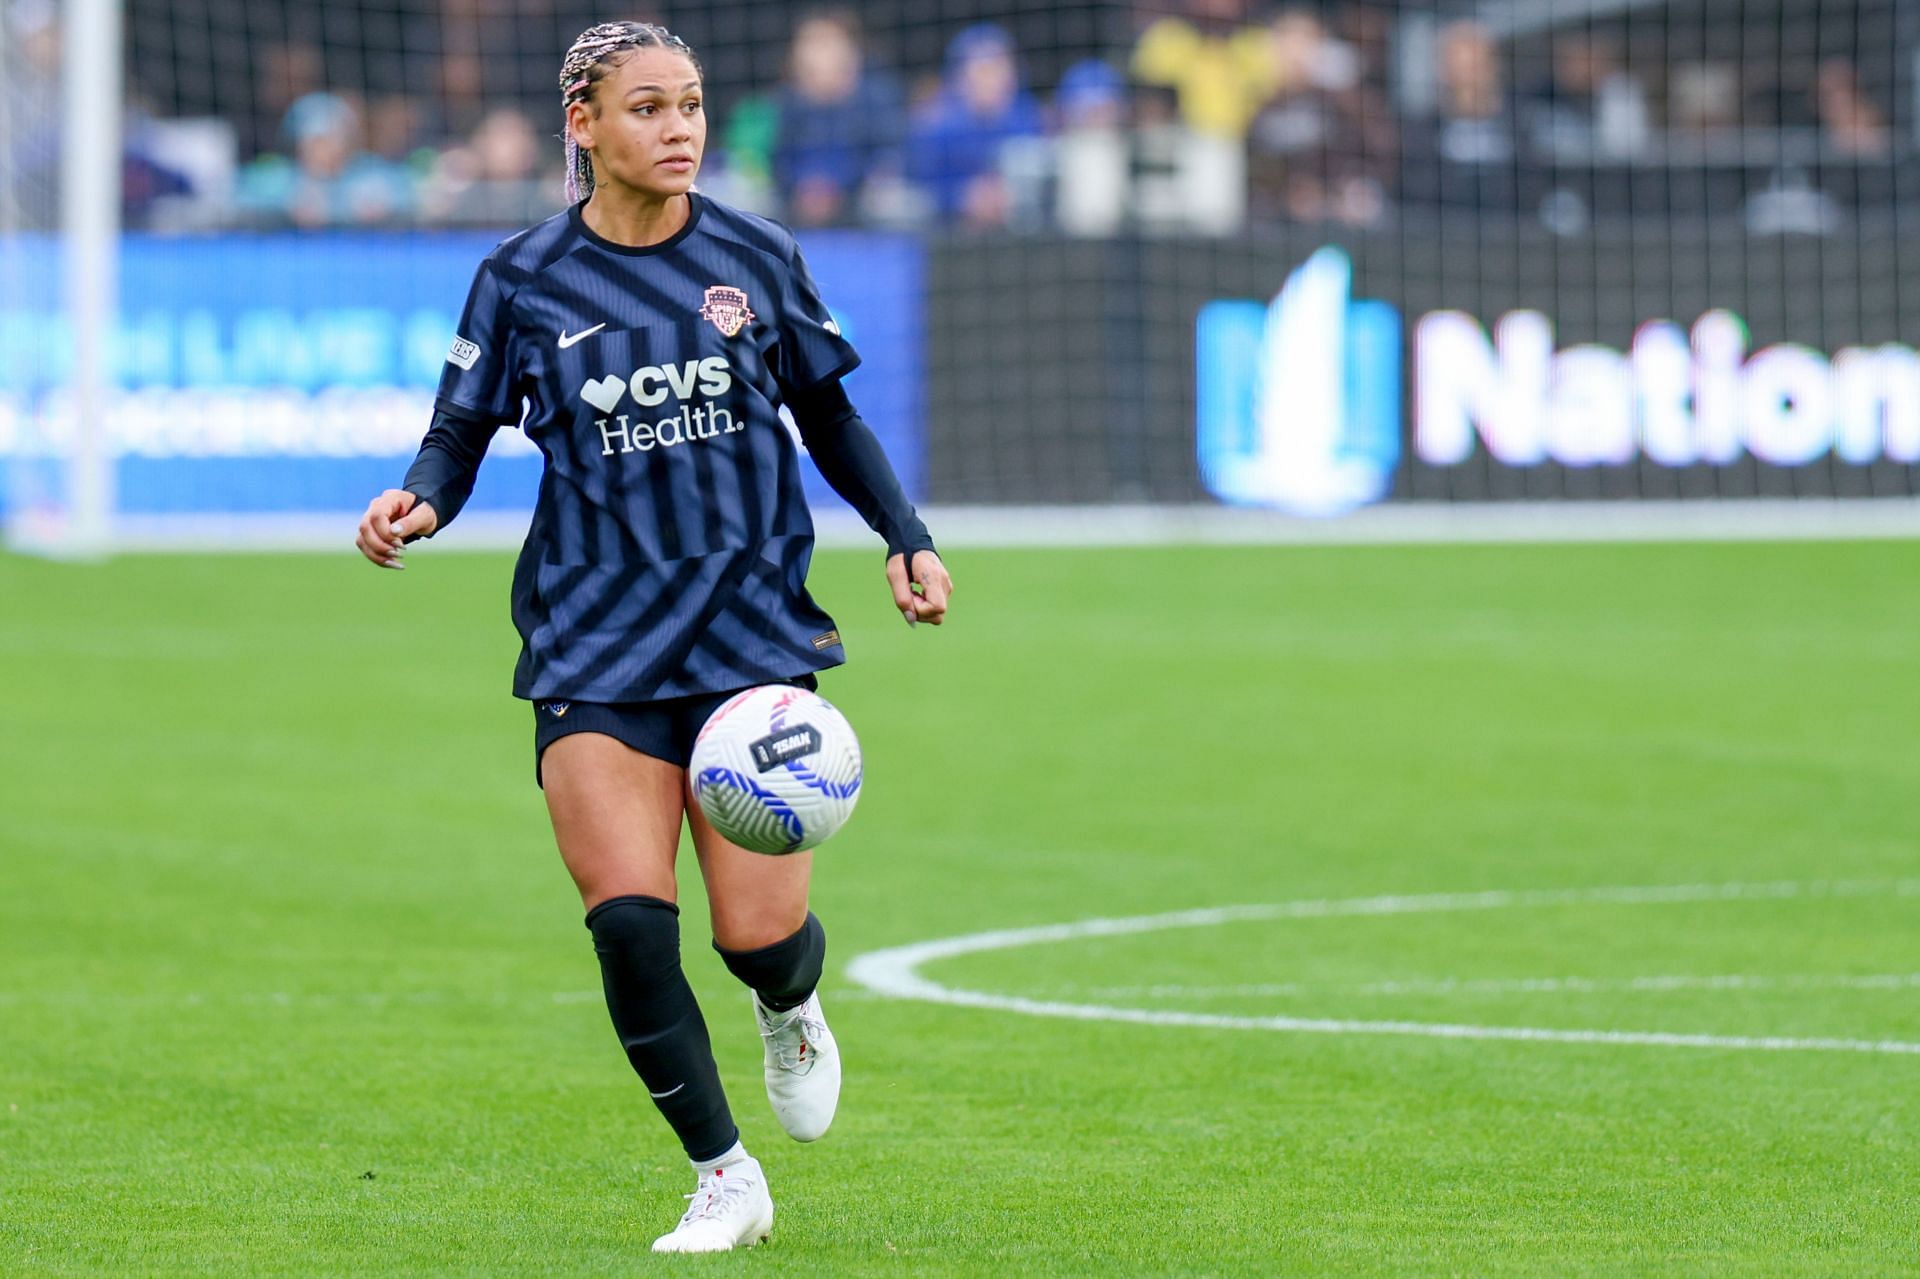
<point x="850" y="458"/>
<point x="443" y="471"/>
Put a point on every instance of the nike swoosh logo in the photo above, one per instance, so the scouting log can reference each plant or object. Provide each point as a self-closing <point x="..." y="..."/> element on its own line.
<point x="668" y="1093"/>
<point x="568" y="339"/>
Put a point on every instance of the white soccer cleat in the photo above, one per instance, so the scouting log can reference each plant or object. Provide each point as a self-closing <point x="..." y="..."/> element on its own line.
<point x="731" y="1209"/>
<point x="803" y="1067"/>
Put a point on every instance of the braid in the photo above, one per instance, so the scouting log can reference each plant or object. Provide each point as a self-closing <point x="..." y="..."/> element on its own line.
<point x="587" y="63"/>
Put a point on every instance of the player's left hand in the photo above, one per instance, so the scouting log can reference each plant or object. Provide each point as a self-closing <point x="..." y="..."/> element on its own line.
<point x="931" y="582"/>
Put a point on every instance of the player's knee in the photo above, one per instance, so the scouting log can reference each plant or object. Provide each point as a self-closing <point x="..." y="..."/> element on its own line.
<point x="786" y="968"/>
<point x="636" y="936"/>
<point x="753" y="930"/>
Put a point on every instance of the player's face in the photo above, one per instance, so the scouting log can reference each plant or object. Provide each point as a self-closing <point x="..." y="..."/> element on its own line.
<point x="647" y="125"/>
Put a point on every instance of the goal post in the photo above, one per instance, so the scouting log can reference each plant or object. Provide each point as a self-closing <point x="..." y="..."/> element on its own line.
<point x="62" y="472"/>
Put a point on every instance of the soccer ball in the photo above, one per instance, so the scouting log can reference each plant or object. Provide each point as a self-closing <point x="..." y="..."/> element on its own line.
<point x="776" y="769"/>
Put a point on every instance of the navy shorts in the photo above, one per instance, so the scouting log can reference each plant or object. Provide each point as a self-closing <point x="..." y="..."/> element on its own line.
<point x="664" y="729"/>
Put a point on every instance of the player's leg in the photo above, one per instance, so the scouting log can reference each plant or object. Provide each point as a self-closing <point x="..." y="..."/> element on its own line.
<point x="777" y="948"/>
<point x="616" y="817"/>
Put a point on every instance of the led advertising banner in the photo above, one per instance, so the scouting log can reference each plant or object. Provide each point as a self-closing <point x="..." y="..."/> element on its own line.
<point x="264" y="373"/>
<point x="1313" y="371"/>
<point x="1299" y="408"/>
<point x="1320" y="399"/>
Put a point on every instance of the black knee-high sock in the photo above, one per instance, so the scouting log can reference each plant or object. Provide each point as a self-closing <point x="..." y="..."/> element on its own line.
<point x="660" y="1026"/>
<point x="785" y="973"/>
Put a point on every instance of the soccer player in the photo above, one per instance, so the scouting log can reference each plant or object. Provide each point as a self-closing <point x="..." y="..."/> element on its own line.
<point x="645" y="340"/>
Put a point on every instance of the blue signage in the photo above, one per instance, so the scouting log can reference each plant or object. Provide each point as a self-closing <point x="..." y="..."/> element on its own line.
<point x="296" y="372"/>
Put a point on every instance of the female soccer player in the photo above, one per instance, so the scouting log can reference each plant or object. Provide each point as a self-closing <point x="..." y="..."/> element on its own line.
<point x="645" y="340"/>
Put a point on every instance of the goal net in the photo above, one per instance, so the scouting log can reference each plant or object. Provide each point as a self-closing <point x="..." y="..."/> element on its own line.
<point x="1298" y="258"/>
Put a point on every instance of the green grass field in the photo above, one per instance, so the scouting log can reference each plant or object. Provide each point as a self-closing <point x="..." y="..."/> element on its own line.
<point x="292" y="982"/>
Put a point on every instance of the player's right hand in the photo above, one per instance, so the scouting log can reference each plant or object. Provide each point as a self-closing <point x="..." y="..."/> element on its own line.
<point x="391" y="519"/>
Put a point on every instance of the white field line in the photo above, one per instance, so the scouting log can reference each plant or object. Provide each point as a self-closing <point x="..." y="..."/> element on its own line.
<point x="1514" y="986"/>
<point x="373" y="1000"/>
<point x="895" y="971"/>
<point x="1197" y="524"/>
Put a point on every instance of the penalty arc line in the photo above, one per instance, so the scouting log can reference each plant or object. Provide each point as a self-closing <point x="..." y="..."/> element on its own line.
<point x="1761" y="982"/>
<point x="895" y="971"/>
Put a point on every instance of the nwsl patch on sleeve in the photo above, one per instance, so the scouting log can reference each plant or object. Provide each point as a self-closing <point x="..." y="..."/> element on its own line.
<point x="463" y="352"/>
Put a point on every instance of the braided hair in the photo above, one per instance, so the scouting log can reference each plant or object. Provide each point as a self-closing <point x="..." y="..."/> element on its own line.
<point x="587" y="63"/>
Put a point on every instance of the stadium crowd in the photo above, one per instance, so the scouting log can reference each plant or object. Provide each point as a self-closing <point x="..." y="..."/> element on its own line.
<point x="1220" y="114"/>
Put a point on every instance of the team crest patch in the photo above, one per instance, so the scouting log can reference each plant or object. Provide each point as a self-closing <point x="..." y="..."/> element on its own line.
<point x="726" y="306"/>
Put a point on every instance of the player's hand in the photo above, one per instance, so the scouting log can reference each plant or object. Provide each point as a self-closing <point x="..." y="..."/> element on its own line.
<point x="391" y="519"/>
<point x="931" y="583"/>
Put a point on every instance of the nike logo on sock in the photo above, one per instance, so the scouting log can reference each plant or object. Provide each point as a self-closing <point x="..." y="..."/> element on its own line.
<point x="668" y="1093"/>
<point x="568" y="339"/>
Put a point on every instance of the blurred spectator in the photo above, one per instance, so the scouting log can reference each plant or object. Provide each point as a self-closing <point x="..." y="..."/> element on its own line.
<point x="739" y="164"/>
<point x="839" y="122"/>
<point x="507" y="53"/>
<point x="30" y="150"/>
<point x="330" y="180"/>
<point x="1475" y="119"/>
<point x="955" y="141"/>
<point x="1323" y="148"/>
<point x="1465" y="154"/>
<point x="1219" y="67"/>
<point x="146" y="181"/>
<point x="1849" y="122"/>
<point x="1703" y="97"/>
<point x="1366" y="27"/>
<point x="287" y="72"/>
<point x="395" y="132"/>
<point x="1091" y="152"/>
<point x="1588" y="104"/>
<point x="495" y="178"/>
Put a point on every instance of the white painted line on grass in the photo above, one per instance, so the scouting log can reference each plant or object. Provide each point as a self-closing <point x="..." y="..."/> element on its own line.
<point x="895" y="972"/>
<point x="1513" y="986"/>
<point x="1120" y="525"/>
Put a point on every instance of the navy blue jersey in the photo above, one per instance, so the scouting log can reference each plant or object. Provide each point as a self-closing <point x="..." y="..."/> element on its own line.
<point x="670" y="541"/>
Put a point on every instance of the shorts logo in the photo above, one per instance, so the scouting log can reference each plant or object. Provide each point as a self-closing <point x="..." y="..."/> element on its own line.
<point x="463" y="352"/>
<point x="727" y="308"/>
<point x="558" y="709"/>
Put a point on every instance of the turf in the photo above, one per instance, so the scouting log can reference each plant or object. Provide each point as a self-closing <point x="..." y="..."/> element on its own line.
<point x="291" y="981"/>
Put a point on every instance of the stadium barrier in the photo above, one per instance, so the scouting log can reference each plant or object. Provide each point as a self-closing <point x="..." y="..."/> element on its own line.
<point x="1295" y="372"/>
<point x="1469" y="362"/>
<point x="296" y="373"/>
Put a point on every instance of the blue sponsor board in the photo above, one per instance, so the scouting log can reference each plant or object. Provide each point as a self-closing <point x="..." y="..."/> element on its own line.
<point x="261" y="373"/>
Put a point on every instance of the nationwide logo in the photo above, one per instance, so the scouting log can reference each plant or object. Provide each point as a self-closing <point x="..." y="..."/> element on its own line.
<point x="1299" y="399"/>
<point x="1677" y="397"/>
<point x="726" y="307"/>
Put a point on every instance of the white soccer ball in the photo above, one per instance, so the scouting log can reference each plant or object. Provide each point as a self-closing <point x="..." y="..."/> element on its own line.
<point x="776" y="769"/>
